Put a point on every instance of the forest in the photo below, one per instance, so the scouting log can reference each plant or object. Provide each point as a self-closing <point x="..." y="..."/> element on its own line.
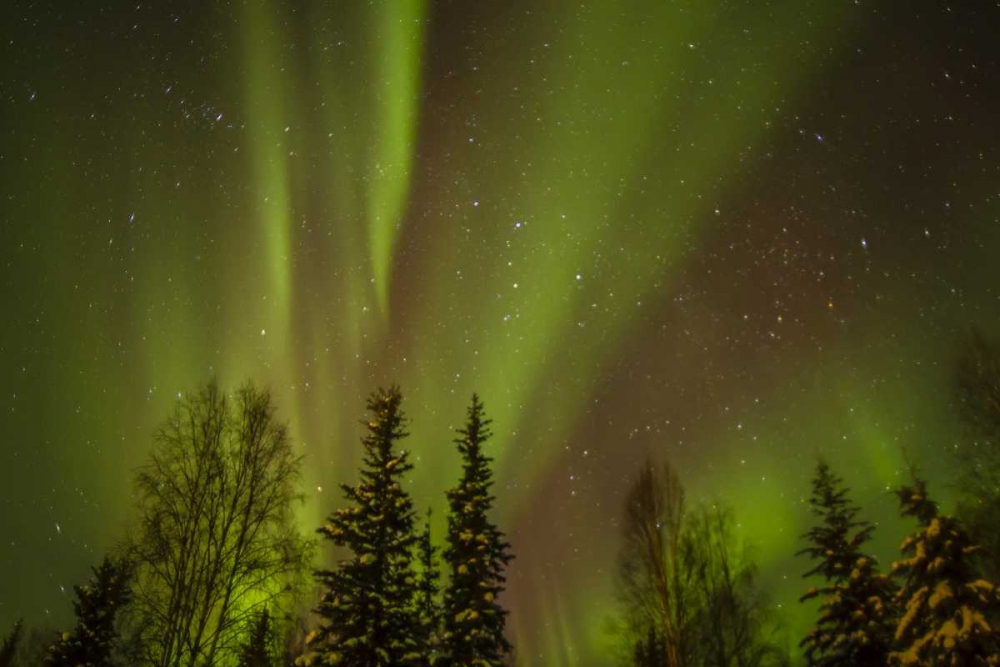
<point x="213" y="570"/>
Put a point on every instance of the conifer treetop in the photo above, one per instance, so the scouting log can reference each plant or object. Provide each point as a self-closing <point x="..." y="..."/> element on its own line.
<point x="946" y="606"/>
<point x="836" y="542"/>
<point x="855" y="623"/>
<point x="97" y="604"/>
<point x="256" y="652"/>
<point x="475" y="432"/>
<point x="913" y="502"/>
<point x="367" y="611"/>
<point x="8" y="649"/>
<point x="476" y="555"/>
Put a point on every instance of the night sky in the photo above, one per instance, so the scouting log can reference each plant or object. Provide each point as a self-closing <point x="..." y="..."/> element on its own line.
<point x="735" y="235"/>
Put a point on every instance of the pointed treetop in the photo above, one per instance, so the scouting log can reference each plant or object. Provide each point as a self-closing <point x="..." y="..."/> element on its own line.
<point x="477" y="427"/>
<point x="948" y="608"/>
<point x="855" y="624"/>
<point x="8" y="649"/>
<point x="366" y="611"/>
<point x="913" y="501"/>
<point x="256" y="652"/>
<point x="836" y="542"/>
<point x="388" y="419"/>
<point x="476" y="555"/>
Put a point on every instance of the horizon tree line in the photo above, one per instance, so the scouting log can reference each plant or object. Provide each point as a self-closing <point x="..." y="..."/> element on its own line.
<point x="939" y="604"/>
<point x="687" y="589"/>
<point x="935" y="607"/>
<point x="688" y="594"/>
<point x="214" y="569"/>
<point x="377" y="610"/>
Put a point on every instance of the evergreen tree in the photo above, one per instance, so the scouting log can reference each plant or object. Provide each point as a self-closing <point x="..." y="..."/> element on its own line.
<point x="855" y="626"/>
<point x="92" y="641"/>
<point x="36" y="643"/>
<point x="476" y="555"/>
<point x="428" y="591"/>
<point x="978" y="385"/>
<point x="651" y="651"/>
<point x="367" y="610"/>
<point x="257" y="650"/>
<point x="946" y="606"/>
<point x="8" y="650"/>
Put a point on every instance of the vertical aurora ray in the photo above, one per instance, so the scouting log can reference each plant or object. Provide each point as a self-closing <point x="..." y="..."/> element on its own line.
<point x="580" y="247"/>
<point x="729" y="235"/>
<point x="268" y="126"/>
<point x="397" y="59"/>
<point x="589" y="259"/>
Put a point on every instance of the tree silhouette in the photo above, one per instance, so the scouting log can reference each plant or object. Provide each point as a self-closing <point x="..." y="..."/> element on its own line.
<point x="476" y="555"/>
<point x="216" y="540"/>
<point x="8" y="650"/>
<point x="650" y="651"/>
<point x="978" y="393"/>
<point x="367" y="613"/>
<point x="734" y="625"/>
<point x="687" y="587"/>
<point x="257" y="651"/>
<point x="427" y="594"/>
<point x="856" y="624"/>
<point x="656" y="571"/>
<point x="946" y="606"/>
<point x="93" y="641"/>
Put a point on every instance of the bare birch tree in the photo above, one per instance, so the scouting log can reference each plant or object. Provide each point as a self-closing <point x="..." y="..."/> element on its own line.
<point x="656" y="573"/>
<point x="736" y="627"/>
<point x="216" y="541"/>
<point x="687" y="590"/>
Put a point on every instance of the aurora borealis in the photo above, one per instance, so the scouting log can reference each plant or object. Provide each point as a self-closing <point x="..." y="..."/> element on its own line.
<point x="736" y="235"/>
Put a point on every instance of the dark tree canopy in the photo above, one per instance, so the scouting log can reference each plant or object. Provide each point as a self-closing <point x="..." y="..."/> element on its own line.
<point x="367" y="613"/>
<point x="856" y="620"/>
<point x="650" y="651"/>
<point x="216" y="541"/>
<point x="656" y="576"/>
<point x="93" y="641"/>
<point x="946" y="607"/>
<point x="10" y="645"/>
<point x="477" y="555"/>
<point x="687" y="588"/>
<point x="835" y="544"/>
<point x="258" y="648"/>
<point x="428" y="592"/>
<point x="978" y="392"/>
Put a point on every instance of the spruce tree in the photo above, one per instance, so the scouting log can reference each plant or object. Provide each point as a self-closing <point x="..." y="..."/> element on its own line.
<point x="428" y="591"/>
<point x="92" y="641"/>
<point x="476" y="555"/>
<point x="946" y="607"/>
<point x="257" y="650"/>
<point x="367" y="612"/>
<point x="650" y="651"/>
<point x="8" y="650"/>
<point x="855" y="626"/>
<point x="978" y="385"/>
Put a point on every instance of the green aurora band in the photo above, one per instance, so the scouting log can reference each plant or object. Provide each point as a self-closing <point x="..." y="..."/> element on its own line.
<point x="528" y="206"/>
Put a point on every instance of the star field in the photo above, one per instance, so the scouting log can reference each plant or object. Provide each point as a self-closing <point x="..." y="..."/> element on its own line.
<point x="735" y="235"/>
